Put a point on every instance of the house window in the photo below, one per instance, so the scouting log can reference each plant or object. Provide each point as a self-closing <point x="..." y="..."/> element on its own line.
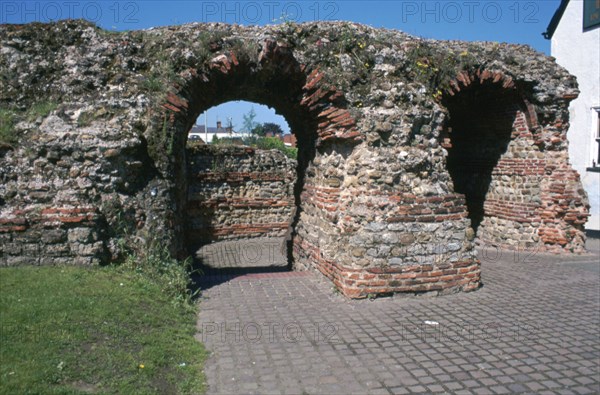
<point x="591" y="14"/>
<point x="596" y="146"/>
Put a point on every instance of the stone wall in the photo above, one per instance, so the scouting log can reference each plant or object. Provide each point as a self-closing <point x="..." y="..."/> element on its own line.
<point x="64" y="198"/>
<point x="238" y="193"/>
<point x="397" y="236"/>
<point x="96" y="146"/>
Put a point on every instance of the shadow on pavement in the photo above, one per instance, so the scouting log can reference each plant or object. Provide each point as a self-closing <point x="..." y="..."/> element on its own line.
<point x="223" y="261"/>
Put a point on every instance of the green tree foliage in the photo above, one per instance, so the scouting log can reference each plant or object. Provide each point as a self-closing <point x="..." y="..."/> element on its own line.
<point x="270" y="127"/>
<point x="249" y="123"/>
<point x="268" y="143"/>
<point x="258" y="130"/>
<point x="263" y="129"/>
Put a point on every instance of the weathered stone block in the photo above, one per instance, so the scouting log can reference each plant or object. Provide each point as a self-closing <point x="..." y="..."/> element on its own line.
<point x="54" y="236"/>
<point x="81" y="235"/>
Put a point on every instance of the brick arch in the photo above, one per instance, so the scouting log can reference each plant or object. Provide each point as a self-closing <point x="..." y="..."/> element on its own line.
<point x="466" y="79"/>
<point x="481" y="77"/>
<point x="315" y="111"/>
<point x="262" y="80"/>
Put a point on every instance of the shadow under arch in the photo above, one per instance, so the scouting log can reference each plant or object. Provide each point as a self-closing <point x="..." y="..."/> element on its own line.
<point x="486" y="114"/>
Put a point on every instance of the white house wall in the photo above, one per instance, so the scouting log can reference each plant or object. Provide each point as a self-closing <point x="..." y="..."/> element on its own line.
<point x="579" y="52"/>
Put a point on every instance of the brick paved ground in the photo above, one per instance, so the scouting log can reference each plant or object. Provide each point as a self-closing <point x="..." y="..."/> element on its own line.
<point x="258" y="252"/>
<point x="532" y="328"/>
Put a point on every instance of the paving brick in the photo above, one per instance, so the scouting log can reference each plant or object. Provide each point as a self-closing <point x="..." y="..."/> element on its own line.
<point x="379" y="345"/>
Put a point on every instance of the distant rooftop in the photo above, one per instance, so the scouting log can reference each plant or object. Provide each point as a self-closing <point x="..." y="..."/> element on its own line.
<point x="219" y="129"/>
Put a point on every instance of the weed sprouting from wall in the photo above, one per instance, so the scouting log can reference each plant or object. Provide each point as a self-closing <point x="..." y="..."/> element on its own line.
<point x="9" y="118"/>
<point x="435" y="69"/>
<point x="7" y="133"/>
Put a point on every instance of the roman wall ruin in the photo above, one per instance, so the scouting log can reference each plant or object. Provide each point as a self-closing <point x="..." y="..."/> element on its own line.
<point x="411" y="151"/>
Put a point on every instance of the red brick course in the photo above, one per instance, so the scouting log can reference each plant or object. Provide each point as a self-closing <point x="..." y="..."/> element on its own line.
<point x="361" y="283"/>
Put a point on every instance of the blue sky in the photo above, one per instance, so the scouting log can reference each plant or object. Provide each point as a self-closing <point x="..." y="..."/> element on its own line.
<point x="236" y="109"/>
<point x="512" y="21"/>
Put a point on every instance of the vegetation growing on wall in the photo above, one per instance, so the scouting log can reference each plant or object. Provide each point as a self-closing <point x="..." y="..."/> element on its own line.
<point x="152" y="261"/>
<point x="9" y="119"/>
<point x="343" y="53"/>
<point x="268" y="143"/>
<point x="435" y="68"/>
<point x="7" y="132"/>
<point x="265" y="143"/>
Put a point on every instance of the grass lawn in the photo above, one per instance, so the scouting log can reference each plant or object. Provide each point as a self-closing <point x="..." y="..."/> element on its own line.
<point x="67" y="330"/>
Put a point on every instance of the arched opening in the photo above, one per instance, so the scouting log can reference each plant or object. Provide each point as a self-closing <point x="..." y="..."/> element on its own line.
<point x="493" y="161"/>
<point x="237" y="122"/>
<point x="242" y="170"/>
<point x="315" y="111"/>
<point x="479" y="128"/>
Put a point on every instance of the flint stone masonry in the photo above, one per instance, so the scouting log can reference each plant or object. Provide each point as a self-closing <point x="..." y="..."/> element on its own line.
<point x="237" y="193"/>
<point x="411" y="151"/>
